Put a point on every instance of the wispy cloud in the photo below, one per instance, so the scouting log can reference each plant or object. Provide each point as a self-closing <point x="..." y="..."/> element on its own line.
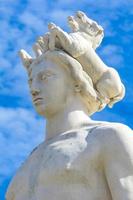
<point x="32" y="21"/>
<point x="20" y="131"/>
<point x="113" y="55"/>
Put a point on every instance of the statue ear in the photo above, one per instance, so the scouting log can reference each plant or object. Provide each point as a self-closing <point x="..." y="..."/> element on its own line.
<point x="25" y="58"/>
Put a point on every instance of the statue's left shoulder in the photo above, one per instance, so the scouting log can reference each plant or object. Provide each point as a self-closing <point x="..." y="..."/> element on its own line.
<point x="116" y="151"/>
<point x="116" y="131"/>
<point x="114" y="136"/>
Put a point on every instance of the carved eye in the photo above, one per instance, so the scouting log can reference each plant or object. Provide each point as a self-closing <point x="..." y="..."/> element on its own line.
<point x="43" y="77"/>
<point x="48" y="74"/>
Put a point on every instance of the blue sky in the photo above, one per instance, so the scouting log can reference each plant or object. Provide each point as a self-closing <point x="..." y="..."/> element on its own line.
<point x="21" y="22"/>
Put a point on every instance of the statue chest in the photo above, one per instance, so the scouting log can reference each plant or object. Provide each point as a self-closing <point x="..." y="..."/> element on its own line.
<point x="63" y="154"/>
<point x="68" y="161"/>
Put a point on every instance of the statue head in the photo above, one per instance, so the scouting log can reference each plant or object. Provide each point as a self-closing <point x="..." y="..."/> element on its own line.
<point x="54" y="77"/>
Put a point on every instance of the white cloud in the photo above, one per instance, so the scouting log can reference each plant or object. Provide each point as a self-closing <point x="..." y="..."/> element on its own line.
<point x="127" y="26"/>
<point x="39" y="7"/>
<point x="20" y="131"/>
<point x="59" y="16"/>
<point x="32" y="21"/>
<point x="99" y="4"/>
<point x="113" y="55"/>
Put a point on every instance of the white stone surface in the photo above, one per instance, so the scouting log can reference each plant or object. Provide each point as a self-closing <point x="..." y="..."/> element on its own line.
<point x="81" y="158"/>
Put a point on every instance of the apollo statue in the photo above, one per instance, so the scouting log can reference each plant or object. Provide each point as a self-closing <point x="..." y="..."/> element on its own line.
<point x="80" y="158"/>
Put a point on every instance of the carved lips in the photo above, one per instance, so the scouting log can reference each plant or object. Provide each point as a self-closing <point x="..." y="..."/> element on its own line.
<point x="37" y="99"/>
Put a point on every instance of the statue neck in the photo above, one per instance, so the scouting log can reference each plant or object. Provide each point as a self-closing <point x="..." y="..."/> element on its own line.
<point x="71" y="117"/>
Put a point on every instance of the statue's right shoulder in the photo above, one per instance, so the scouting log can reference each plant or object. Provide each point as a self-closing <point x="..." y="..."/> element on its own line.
<point x="20" y="182"/>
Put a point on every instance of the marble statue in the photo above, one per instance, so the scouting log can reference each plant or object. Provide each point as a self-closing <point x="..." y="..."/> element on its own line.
<point x="80" y="158"/>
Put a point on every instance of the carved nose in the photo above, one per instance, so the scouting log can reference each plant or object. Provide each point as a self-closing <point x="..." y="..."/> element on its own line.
<point x="34" y="88"/>
<point x="35" y="92"/>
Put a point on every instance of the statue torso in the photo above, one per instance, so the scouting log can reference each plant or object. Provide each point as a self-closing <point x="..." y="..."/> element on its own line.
<point x="66" y="167"/>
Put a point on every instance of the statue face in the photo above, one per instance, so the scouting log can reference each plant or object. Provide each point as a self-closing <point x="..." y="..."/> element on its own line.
<point x="48" y="85"/>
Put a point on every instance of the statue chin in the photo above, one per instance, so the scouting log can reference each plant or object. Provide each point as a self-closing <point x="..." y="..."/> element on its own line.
<point x="40" y="108"/>
<point x="44" y="110"/>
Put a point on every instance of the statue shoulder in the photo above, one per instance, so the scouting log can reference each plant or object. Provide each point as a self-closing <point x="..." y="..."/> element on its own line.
<point x="111" y="144"/>
<point x="115" y="140"/>
<point x="109" y="132"/>
<point x="20" y="182"/>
